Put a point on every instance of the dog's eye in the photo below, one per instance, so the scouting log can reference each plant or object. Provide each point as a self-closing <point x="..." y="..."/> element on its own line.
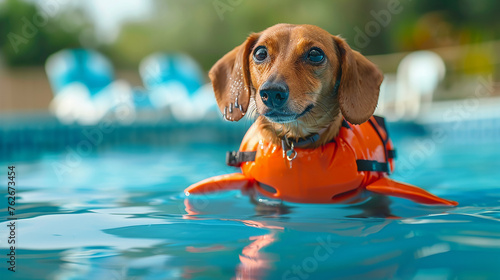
<point x="315" y="55"/>
<point x="260" y="54"/>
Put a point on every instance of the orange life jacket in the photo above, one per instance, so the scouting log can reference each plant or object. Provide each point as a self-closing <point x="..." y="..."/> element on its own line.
<point x="335" y="172"/>
<point x="360" y="158"/>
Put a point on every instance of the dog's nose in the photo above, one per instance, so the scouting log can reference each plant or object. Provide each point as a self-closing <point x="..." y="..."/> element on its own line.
<point x="274" y="94"/>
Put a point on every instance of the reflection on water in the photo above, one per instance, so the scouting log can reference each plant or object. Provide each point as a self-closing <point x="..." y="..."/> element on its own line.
<point x="122" y="215"/>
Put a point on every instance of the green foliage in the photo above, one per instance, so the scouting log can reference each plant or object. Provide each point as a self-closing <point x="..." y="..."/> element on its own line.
<point x="207" y="29"/>
<point x="29" y="34"/>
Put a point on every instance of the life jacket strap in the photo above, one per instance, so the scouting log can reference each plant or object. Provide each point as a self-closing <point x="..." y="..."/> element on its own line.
<point x="314" y="137"/>
<point x="391" y="153"/>
<point x="373" y="165"/>
<point x="236" y="158"/>
<point x="345" y="124"/>
<point x="301" y="142"/>
<point x="381" y="123"/>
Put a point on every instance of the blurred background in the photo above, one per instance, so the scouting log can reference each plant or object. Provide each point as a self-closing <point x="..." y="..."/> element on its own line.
<point x="146" y="61"/>
<point x="107" y="114"/>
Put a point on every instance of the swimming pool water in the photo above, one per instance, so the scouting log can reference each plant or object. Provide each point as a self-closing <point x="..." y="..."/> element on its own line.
<point x="121" y="214"/>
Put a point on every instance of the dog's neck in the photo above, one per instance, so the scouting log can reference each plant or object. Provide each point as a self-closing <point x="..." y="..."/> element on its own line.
<point x="275" y="132"/>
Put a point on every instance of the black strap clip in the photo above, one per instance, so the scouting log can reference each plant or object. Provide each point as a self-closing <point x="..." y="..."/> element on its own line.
<point x="373" y="165"/>
<point x="391" y="153"/>
<point x="236" y="158"/>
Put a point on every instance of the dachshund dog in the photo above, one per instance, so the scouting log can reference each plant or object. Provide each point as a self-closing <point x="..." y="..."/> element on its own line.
<point x="315" y="139"/>
<point x="290" y="72"/>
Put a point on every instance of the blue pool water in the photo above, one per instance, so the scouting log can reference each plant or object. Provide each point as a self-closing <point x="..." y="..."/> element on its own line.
<point x="120" y="213"/>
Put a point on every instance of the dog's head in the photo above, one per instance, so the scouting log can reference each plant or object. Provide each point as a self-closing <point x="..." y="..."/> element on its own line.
<point x="298" y="75"/>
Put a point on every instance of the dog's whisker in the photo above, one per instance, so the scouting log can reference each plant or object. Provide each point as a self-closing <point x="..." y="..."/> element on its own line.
<point x="225" y="113"/>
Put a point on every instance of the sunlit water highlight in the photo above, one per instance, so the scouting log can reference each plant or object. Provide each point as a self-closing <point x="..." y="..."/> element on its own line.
<point x="121" y="214"/>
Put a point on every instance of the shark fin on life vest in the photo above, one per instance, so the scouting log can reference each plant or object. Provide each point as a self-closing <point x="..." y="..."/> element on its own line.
<point x="390" y="187"/>
<point x="234" y="181"/>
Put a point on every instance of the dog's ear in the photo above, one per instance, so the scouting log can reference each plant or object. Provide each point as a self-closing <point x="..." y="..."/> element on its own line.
<point x="359" y="85"/>
<point x="231" y="80"/>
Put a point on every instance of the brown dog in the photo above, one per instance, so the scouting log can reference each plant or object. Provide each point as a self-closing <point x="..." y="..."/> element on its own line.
<point x="290" y="72"/>
<point x="315" y="139"/>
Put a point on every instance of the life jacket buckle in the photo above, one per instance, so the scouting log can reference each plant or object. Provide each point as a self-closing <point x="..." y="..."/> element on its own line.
<point x="291" y="153"/>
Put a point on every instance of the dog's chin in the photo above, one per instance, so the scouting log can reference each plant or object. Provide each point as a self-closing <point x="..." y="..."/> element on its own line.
<point x="285" y="116"/>
<point x="280" y="118"/>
